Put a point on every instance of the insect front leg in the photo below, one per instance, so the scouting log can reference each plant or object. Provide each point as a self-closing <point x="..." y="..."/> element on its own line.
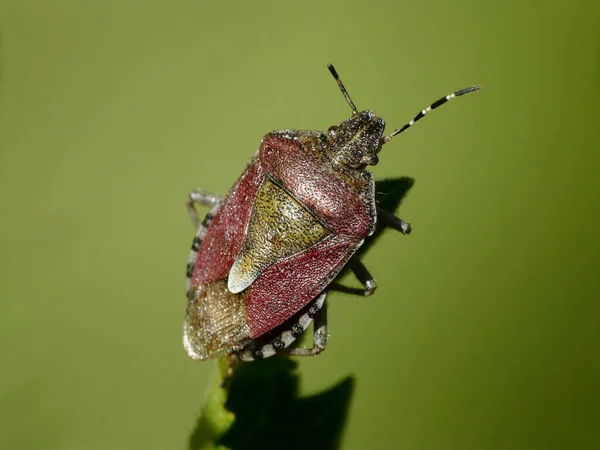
<point x="390" y="220"/>
<point x="200" y="197"/>
<point x="206" y="199"/>
<point x="362" y="274"/>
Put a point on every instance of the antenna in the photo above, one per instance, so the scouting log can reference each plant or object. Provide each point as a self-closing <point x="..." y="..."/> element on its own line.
<point x="342" y="88"/>
<point x="431" y="107"/>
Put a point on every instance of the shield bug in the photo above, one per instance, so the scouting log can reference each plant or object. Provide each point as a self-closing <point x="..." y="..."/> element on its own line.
<point x="265" y="256"/>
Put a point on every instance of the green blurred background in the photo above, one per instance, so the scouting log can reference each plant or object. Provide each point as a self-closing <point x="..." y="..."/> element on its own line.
<point x="484" y="331"/>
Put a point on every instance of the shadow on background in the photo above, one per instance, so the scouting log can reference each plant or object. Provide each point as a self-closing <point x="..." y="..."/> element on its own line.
<point x="270" y="415"/>
<point x="263" y="395"/>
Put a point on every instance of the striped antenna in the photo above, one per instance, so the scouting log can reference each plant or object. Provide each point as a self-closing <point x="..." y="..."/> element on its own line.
<point x="434" y="105"/>
<point x="342" y="88"/>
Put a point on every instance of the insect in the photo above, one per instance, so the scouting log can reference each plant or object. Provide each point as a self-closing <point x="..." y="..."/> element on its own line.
<point x="265" y="256"/>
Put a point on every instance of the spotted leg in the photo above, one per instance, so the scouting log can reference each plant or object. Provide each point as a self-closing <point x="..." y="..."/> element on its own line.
<point x="319" y="336"/>
<point x="260" y="348"/>
<point x="199" y="197"/>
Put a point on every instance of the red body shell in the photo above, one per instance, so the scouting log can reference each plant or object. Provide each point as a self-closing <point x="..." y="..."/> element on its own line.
<point x="342" y="200"/>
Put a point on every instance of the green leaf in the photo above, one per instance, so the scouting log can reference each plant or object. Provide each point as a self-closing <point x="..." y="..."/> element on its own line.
<point x="269" y="414"/>
<point x="215" y="419"/>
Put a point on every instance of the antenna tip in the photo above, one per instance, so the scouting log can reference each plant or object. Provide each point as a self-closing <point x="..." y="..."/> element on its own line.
<point x="468" y="90"/>
<point x="332" y="70"/>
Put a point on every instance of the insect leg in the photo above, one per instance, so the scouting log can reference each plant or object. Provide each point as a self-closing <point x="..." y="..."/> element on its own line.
<point x="259" y="350"/>
<point x="200" y="197"/>
<point x="359" y="269"/>
<point x="390" y="220"/>
<point x="319" y="336"/>
<point x="201" y="231"/>
<point x="363" y="275"/>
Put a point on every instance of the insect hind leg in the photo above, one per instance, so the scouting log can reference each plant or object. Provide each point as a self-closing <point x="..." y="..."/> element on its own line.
<point x="317" y="311"/>
<point x="319" y="336"/>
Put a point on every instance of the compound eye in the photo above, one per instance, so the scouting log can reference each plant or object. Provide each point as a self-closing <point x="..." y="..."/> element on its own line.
<point x="332" y="130"/>
<point x="373" y="160"/>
